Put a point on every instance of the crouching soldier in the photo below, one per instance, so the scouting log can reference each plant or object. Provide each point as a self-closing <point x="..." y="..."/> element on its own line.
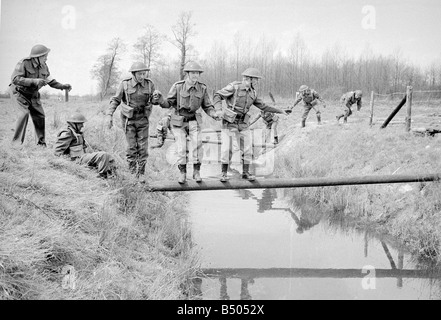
<point x="162" y="129"/>
<point x="71" y="142"/>
<point x="347" y="100"/>
<point x="309" y="97"/>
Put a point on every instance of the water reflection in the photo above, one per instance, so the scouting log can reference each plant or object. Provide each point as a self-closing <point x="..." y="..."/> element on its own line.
<point x="234" y="236"/>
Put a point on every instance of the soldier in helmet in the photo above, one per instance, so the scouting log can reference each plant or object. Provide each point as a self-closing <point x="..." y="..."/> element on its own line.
<point x="186" y="97"/>
<point x="71" y="142"/>
<point x="309" y="97"/>
<point x="134" y="96"/>
<point x="347" y="100"/>
<point x="239" y="97"/>
<point x="31" y="74"/>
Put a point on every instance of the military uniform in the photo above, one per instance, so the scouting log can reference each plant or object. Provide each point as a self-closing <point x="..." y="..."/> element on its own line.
<point x="239" y="98"/>
<point x="162" y="128"/>
<point x="347" y="100"/>
<point x="186" y="99"/>
<point x="71" y="143"/>
<point x="136" y="99"/>
<point x="309" y="102"/>
<point x="271" y="121"/>
<point x="24" y="94"/>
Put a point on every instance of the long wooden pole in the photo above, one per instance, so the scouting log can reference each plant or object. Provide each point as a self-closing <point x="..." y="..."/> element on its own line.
<point x="206" y="184"/>
<point x="392" y="115"/>
<point x="314" y="273"/>
<point x="371" y="119"/>
<point x="409" y="107"/>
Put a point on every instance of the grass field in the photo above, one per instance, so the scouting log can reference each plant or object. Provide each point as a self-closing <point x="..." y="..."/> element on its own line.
<point x="126" y="243"/>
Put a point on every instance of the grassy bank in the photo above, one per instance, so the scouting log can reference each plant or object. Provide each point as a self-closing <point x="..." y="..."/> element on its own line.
<point x="67" y="234"/>
<point x="409" y="212"/>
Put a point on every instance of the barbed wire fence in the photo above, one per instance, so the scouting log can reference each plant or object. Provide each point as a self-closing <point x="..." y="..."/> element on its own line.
<point x="427" y="103"/>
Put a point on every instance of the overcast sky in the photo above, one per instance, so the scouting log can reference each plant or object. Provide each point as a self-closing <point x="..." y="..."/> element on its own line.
<point x="78" y="31"/>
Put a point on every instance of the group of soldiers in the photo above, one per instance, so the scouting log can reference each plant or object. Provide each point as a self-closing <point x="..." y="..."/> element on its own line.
<point x="136" y="95"/>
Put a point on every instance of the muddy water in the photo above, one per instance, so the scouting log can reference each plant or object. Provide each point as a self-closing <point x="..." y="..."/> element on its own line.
<point x="262" y="244"/>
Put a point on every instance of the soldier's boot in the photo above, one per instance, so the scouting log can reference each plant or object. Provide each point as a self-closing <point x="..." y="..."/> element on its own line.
<point x="197" y="172"/>
<point x="338" y="118"/>
<point x="276" y="140"/>
<point x="303" y="123"/>
<point x="132" y="167"/>
<point x="224" y="173"/>
<point x="182" y="173"/>
<point x="160" y="143"/>
<point x="246" y="173"/>
<point x="319" y="119"/>
<point x="345" y="120"/>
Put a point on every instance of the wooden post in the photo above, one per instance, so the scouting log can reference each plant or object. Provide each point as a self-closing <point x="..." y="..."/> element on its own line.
<point x="66" y="95"/>
<point x="372" y="109"/>
<point x="409" y="108"/>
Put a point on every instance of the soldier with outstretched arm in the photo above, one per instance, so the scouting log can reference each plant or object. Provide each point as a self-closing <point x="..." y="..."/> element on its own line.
<point x="239" y="97"/>
<point x="29" y="76"/>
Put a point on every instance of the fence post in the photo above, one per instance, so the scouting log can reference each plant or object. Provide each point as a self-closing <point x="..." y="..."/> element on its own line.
<point x="409" y="107"/>
<point x="66" y="95"/>
<point x="372" y="109"/>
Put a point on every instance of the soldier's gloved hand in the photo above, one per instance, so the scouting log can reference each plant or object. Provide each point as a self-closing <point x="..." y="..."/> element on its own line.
<point x="217" y="118"/>
<point x="288" y="111"/>
<point x="67" y="87"/>
<point x="109" y="121"/>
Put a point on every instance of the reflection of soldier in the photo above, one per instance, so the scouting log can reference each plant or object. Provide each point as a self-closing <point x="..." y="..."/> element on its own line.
<point x="309" y="217"/>
<point x="268" y="197"/>
<point x="162" y="130"/>
<point x="246" y="194"/>
<point x="244" y="293"/>
<point x="309" y="97"/>
<point x="271" y="120"/>
<point x="223" y="289"/>
<point x="347" y="100"/>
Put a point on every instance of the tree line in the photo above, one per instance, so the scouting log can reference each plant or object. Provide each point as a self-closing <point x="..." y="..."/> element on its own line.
<point x="331" y="74"/>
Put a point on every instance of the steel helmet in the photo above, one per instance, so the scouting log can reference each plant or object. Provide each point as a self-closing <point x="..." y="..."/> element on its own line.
<point x="139" y="66"/>
<point x="193" y="66"/>
<point x="252" y="72"/>
<point x="303" y="88"/>
<point x="39" y="50"/>
<point x="76" y="118"/>
<point x="358" y="93"/>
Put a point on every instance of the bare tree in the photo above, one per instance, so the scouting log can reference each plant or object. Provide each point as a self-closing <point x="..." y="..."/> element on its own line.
<point x="183" y="30"/>
<point x="105" y="69"/>
<point x="148" y="45"/>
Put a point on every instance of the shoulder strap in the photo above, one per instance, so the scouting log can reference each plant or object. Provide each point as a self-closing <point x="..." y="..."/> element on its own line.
<point x="178" y="93"/>
<point x="236" y="88"/>
<point x="125" y="86"/>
